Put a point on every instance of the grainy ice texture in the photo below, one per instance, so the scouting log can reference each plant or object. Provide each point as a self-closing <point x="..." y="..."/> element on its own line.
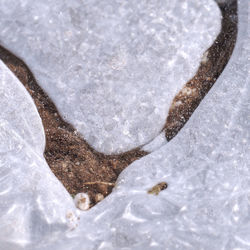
<point x="111" y="67"/>
<point x="206" y="166"/>
<point x="32" y="200"/>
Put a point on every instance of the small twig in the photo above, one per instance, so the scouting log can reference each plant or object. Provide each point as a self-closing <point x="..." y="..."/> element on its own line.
<point x="99" y="182"/>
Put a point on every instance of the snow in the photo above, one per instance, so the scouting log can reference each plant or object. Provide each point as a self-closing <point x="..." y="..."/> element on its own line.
<point x="206" y="166"/>
<point x="111" y="67"/>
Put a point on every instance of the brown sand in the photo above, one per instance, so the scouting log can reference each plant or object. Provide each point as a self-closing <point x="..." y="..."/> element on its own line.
<point x="82" y="169"/>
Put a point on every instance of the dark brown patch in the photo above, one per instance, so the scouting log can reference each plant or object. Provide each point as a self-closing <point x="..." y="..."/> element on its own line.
<point x="78" y="166"/>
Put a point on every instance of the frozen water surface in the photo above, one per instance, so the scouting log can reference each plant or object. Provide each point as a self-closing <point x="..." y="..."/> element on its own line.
<point x="111" y="67"/>
<point x="207" y="202"/>
<point x="32" y="200"/>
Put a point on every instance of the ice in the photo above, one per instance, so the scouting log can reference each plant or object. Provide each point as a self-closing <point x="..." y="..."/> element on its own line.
<point x="111" y="67"/>
<point x="32" y="201"/>
<point x="207" y="202"/>
<point x="156" y="143"/>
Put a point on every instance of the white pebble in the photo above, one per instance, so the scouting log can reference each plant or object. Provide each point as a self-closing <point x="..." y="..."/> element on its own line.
<point x="82" y="201"/>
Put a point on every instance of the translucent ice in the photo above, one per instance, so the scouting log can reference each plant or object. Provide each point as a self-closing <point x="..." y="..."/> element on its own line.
<point x="111" y="67"/>
<point x="206" y="205"/>
<point x="32" y="200"/>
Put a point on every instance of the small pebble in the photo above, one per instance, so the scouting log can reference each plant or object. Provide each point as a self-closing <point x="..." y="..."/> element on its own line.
<point x="99" y="197"/>
<point x="155" y="190"/>
<point x="82" y="201"/>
